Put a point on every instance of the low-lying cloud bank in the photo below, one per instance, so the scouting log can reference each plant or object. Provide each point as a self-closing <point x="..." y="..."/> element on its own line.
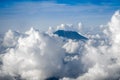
<point x="40" y="56"/>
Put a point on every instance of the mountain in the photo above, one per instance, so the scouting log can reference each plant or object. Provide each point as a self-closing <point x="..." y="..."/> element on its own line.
<point x="70" y="35"/>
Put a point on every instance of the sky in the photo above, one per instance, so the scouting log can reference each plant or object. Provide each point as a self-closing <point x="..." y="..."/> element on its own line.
<point x="20" y="15"/>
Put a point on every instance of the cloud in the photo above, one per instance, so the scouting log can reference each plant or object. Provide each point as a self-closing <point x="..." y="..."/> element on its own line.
<point x="44" y="14"/>
<point x="43" y="55"/>
<point x="32" y="8"/>
<point x="102" y="62"/>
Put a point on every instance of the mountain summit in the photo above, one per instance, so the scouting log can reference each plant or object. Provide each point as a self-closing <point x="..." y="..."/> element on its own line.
<point x="70" y="35"/>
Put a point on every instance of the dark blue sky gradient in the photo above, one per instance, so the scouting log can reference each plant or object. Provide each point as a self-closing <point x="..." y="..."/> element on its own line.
<point x="23" y="14"/>
<point x="70" y="2"/>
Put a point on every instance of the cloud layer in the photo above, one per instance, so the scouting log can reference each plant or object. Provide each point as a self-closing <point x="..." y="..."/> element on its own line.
<point x="36" y="55"/>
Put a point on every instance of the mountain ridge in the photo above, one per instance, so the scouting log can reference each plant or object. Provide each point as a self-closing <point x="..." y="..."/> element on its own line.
<point x="70" y="35"/>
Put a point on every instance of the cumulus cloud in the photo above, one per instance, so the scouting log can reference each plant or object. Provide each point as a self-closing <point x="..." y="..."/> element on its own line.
<point x="71" y="47"/>
<point x="36" y="55"/>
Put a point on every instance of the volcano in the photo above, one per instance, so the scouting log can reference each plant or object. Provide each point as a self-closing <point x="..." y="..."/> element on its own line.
<point x="70" y="35"/>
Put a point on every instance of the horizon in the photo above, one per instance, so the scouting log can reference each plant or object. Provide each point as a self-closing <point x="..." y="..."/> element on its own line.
<point x="20" y="15"/>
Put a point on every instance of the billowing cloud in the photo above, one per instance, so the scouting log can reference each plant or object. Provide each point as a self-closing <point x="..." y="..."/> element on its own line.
<point x="36" y="55"/>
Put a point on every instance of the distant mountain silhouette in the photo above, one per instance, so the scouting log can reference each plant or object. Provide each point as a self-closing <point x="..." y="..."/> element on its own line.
<point x="53" y="78"/>
<point x="70" y="35"/>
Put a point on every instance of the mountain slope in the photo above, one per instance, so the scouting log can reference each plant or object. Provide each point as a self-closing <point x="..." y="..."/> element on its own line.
<point x="70" y="35"/>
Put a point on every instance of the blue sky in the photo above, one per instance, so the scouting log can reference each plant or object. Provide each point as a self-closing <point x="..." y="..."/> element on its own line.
<point x="23" y="14"/>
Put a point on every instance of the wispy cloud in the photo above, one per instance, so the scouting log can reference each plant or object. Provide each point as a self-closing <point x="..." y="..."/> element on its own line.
<point x="43" y="13"/>
<point x="38" y="7"/>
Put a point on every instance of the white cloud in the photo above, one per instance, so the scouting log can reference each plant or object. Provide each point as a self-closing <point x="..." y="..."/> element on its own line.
<point x="40" y="55"/>
<point x="71" y="47"/>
